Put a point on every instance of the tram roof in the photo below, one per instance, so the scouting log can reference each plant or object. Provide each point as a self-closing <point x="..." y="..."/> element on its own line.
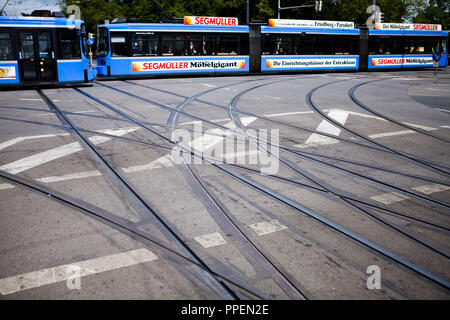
<point x="173" y="27"/>
<point x="407" y="33"/>
<point x="266" y="29"/>
<point x="39" y="22"/>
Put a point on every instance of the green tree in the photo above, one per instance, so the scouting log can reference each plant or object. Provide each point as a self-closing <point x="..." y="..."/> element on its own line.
<point x="430" y="11"/>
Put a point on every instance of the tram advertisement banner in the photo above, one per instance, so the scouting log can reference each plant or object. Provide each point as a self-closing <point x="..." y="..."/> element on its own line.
<point x="380" y="62"/>
<point x="408" y="26"/>
<point x="7" y="72"/>
<point x="285" y="23"/>
<point x="268" y="63"/>
<point x="190" y="65"/>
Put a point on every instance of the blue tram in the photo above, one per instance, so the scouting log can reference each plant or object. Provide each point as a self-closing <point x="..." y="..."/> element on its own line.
<point x="43" y="51"/>
<point x="149" y="49"/>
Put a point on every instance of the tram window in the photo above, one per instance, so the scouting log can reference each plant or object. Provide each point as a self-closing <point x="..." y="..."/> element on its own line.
<point x="280" y="45"/>
<point x="144" y="44"/>
<point x="6" y="51"/>
<point x="386" y="45"/>
<point x="119" y="46"/>
<point x="27" y="45"/>
<point x="174" y="46"/>
<point x="102" y="42"/>
<point x="69" y="44"/>
<point x="201" y="45"/>
<point x="443" y="48"/>
<point x="227" y="45"/>
<point x="343" y="47"/>
<point x="324" y="47"/>
<point x="303" y="46"/>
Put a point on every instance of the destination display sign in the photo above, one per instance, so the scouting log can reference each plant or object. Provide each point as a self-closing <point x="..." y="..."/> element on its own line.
<point x="210" y="21"/>
<point x="408" y="26"/>
<point x="287" y="23"/>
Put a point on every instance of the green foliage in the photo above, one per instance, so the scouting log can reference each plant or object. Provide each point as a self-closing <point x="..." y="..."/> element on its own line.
<point x="95" y="12"/>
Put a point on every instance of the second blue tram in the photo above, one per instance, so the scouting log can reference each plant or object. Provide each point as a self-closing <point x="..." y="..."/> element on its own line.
<point x="42" y="51"/>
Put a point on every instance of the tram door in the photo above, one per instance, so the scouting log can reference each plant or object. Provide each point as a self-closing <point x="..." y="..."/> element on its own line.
<point x="36" y="56"/>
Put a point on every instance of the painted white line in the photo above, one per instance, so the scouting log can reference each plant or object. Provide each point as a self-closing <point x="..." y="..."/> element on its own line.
<point x="162" y="162"/>
<point x="70" y="176"/>
<point x="46" y="114"/>
<point x="30" y="99"/>
<point x="200" y="144"/>
<point x="390" y="134"/>
<point x="5" y="186"/>
<point x="316" y="139"/>
<point x="431" y="188"/>
<point x="208" y="85"/>
<point x="388" y="198"/>
<point x="357" y="114"/>
<point x="420" y="126"/>
<point x="262" y="228"/>
<point x="52" y="154"/>
<point x="87" y="111"/>
<point x="276" y="98"/>
<point x="443" y="110"/>
<point x="448" y="127"/>
<point x="211" y="240"/>
<point x="65" y="272"/>
<point x="41" y="158"/>
<point x="436" y="89"/>
<point x="11" y="142"/>
<point x="287" y="114"/>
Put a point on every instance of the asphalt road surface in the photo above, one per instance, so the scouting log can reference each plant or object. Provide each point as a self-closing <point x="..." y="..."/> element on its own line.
<point x="299" y="186"/>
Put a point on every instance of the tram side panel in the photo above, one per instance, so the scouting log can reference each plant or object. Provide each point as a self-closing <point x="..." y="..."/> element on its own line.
<point x="117" y="57"/>
<point x="309" y="50"/>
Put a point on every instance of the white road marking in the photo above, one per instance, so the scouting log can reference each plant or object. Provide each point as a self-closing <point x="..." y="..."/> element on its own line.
<point x="31" y="99"/>
<point x="11" y="142"/>
<point x="436" y="89"/>
<point x="200" y="144"/>
<point x="63" y="273"/>
<point x="443" y="110"/>
<point x="276" y="98"/>
<point x="5" y="186"/>
<point x="431" y="188"/>
<point x="208" y="85"/>
<point x="70" y="176"/>
<point x="46" y="114"/>
<point x="448" y="127"/>
<point x="363" y="115"/>
<point x="390" y="134"/>
<point x="316" y="139"/>
<point x="420" y="126"/>
<point x="262" y="228"/>
<point x="87" y="111"/>
<point x="211" y="240"/>
<point x="41" y="158"/>
<point x="287" y="114"/>
<point x="388" y="198"/>
<point x="52" y="154"/>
